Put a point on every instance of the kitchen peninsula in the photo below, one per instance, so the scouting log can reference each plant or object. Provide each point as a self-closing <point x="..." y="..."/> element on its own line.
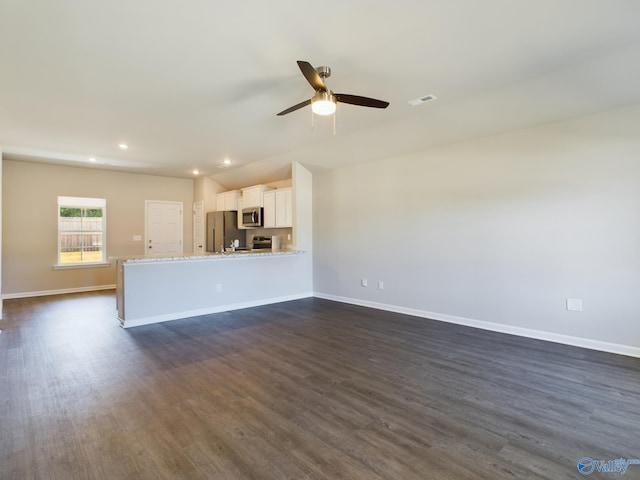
<point x="151" y="289"/>
<point x="158" y="288"/>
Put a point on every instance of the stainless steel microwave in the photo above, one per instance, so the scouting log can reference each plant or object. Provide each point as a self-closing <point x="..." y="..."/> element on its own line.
<point x="252" y="217"/>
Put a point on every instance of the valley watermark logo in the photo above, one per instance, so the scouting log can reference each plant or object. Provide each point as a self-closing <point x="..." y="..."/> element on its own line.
<point x="587" y="465"/>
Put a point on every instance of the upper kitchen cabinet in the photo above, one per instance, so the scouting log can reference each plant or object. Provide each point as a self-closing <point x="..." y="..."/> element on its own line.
<point x="278" y="208"/>
<point x="226" y="201"/>
<point x="252" y="196"/>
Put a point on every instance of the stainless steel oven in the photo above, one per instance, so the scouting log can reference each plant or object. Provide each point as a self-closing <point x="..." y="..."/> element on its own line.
<point x="261" y="242"/>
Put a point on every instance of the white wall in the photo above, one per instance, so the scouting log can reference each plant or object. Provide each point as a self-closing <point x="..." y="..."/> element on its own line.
<point x="496" y="232"/>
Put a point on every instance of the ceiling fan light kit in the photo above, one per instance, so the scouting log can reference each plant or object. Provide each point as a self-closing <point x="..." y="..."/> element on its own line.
<point x="324" y="100"/>
<point x="323" y="103"/>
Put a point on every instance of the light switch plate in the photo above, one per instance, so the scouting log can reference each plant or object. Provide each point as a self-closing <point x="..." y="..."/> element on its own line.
<point x="137" y="238"/>
<point x="363" y="282"/>
<point x="574" y="304"/>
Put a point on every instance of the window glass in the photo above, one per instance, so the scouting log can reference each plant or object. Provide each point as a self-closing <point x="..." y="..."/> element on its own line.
<point x="81" y="230"/>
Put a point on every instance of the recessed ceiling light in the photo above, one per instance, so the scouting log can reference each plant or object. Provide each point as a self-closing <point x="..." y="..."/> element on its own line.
<point x="92" y="160"/>
<point x="421" y="100"/>
<point x="227" y="161"/>
<point x="123" y="146"/>
<point x="196" y="172"/>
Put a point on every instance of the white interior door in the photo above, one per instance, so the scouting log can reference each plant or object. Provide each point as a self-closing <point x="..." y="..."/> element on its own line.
<point x="198" y="227"/>
<point x="164" y="227"/>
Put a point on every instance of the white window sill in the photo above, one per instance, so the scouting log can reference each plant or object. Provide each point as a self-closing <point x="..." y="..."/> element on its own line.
<point x="66" y="266"/>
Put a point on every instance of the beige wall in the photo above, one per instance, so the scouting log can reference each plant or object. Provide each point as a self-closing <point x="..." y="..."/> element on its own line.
<point x="496" y="232"/>
<point x="287" y="182"/>
<point x="30" y="192"/>
<point x="205" y="189"/>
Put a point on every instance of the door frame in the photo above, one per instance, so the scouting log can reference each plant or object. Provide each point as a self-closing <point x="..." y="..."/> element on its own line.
<point x="203" y="222"/>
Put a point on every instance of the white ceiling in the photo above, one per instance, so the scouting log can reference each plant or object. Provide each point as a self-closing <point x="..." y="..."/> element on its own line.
<point x="187" y="84"/>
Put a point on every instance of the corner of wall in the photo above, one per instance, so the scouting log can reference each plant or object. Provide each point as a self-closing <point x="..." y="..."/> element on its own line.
<point x="211" y="189"/>
<point x="198" y="189"/>
<point x="302" y="182"/>
<point x="0" y="232"/>
<point x="302" y="232"/>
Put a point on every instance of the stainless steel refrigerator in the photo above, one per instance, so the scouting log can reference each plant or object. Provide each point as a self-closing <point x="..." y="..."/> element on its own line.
<point x="222" y="229"/>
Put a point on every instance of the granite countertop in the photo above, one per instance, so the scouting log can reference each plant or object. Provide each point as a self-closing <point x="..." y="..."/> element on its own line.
<point x="203" y="256"/>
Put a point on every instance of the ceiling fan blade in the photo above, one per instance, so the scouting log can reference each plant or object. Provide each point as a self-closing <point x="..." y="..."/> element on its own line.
<point x="295" y="107"/>
<point x="361" y="101"/>
<point x="312" y="76"/>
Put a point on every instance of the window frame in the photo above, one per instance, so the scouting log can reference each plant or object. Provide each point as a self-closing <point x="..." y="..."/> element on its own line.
<point x="83" y="203"/>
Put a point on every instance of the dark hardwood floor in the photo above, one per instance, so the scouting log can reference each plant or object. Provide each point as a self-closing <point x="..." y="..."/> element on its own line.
<point x="309" y="389"/>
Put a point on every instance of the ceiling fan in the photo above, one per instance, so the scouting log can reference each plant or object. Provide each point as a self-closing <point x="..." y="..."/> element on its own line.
<point x="324" y="100"/>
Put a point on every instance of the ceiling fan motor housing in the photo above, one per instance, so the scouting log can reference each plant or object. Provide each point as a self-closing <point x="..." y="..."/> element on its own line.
<point x="324" y="72"/>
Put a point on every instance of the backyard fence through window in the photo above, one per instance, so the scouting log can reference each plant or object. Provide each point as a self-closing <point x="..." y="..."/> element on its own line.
<point x="81" y="230"/>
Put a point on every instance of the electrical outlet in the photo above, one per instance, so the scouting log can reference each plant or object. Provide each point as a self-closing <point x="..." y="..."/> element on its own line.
<point x="380" y="285"/>
<point x="363" y="282"/>
<point x="574" y="304"/>
<point x="219" y="287"/>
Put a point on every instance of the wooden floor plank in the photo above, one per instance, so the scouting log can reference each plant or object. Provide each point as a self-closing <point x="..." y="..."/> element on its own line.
<point x="309" y="389"/>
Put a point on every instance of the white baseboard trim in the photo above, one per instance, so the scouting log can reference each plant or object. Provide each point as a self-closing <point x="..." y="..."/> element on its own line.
<point x="137" y="322"/>
<point x="619" y="349"/>
<point x="8" y="296"/>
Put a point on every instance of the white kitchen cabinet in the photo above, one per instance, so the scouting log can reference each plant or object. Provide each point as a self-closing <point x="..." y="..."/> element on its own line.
<point x="278" y="208"/>
<point x="269" y="211"/>
<point x="284" y="208"/>
<point x="226" y="201"/>
<point x="252" y="196"/>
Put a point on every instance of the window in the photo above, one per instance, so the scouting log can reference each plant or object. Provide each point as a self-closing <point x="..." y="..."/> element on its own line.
<point x="81" y="230"/>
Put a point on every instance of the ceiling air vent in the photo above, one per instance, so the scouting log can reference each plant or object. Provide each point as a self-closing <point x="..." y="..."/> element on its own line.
<point x="421" y="100"/>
